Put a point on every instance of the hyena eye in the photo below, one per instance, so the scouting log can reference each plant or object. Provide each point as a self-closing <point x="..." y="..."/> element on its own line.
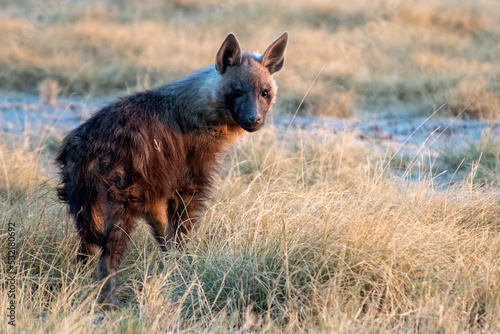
<point x="265" y="93"/>
<point x="237" y="93"/>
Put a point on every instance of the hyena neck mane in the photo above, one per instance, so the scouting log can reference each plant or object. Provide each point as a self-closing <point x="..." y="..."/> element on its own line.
<point x="188" y="105"/>
<point x="191" y="105"/>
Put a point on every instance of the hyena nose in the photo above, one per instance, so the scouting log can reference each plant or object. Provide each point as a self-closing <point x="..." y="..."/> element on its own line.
<point x="254" y="119"/>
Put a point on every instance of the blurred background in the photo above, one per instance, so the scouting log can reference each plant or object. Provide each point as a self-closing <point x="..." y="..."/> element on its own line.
<point x="381" y="59"/>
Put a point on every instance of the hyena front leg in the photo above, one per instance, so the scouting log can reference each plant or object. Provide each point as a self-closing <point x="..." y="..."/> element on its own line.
<point x="171" y="219"/>
<point x="115" y="245"/>
<point x="156" y="217"/>
<point x="184" y="210"/>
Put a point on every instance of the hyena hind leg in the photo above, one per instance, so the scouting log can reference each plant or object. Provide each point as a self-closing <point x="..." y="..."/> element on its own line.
<point x="87" y="251"/>
<point x="89" y="244"/>
<point x="115" y="245"/>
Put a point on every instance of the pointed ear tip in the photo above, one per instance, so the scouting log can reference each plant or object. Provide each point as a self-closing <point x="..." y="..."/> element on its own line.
<point x="283" y="38"/>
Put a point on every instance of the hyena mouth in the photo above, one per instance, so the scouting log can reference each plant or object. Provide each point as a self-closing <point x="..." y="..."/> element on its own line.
<point x="252" y="128"/>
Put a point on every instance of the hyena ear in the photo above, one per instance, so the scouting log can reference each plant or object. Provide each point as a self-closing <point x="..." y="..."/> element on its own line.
<point x="274" y="57"/>
<point x="229" y="54"/>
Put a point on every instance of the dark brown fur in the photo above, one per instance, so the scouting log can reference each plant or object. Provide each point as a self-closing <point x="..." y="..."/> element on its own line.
<point x="153" y="154"/>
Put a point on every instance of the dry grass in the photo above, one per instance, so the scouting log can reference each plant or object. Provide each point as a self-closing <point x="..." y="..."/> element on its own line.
<point x="48" y="90"/>
<point x="376" y="56"/>
<point x="302" y="235"/>
<point x="22" y="168"/>
<point x="474" y="100"/>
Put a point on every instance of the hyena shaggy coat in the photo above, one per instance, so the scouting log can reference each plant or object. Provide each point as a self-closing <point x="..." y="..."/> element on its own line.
<point x="154" y="154"/>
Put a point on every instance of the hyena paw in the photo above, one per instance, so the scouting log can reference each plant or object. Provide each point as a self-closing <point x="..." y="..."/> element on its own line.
<point x="110" y="303"/>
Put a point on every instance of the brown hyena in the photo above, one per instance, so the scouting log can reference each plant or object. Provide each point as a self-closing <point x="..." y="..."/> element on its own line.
<point x="153" y="154"/>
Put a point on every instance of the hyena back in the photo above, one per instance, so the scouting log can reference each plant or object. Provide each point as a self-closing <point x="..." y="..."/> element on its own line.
<point x="154" y="154"/>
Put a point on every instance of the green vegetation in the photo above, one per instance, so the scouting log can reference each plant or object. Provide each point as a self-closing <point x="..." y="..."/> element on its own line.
<point x="481" y="160"/>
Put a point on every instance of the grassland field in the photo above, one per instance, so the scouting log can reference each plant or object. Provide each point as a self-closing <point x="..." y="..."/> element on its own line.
<point x="369" y="204"/>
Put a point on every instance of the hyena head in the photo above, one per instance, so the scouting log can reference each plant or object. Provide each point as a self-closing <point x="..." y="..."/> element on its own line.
<point x="246" y="86"/>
